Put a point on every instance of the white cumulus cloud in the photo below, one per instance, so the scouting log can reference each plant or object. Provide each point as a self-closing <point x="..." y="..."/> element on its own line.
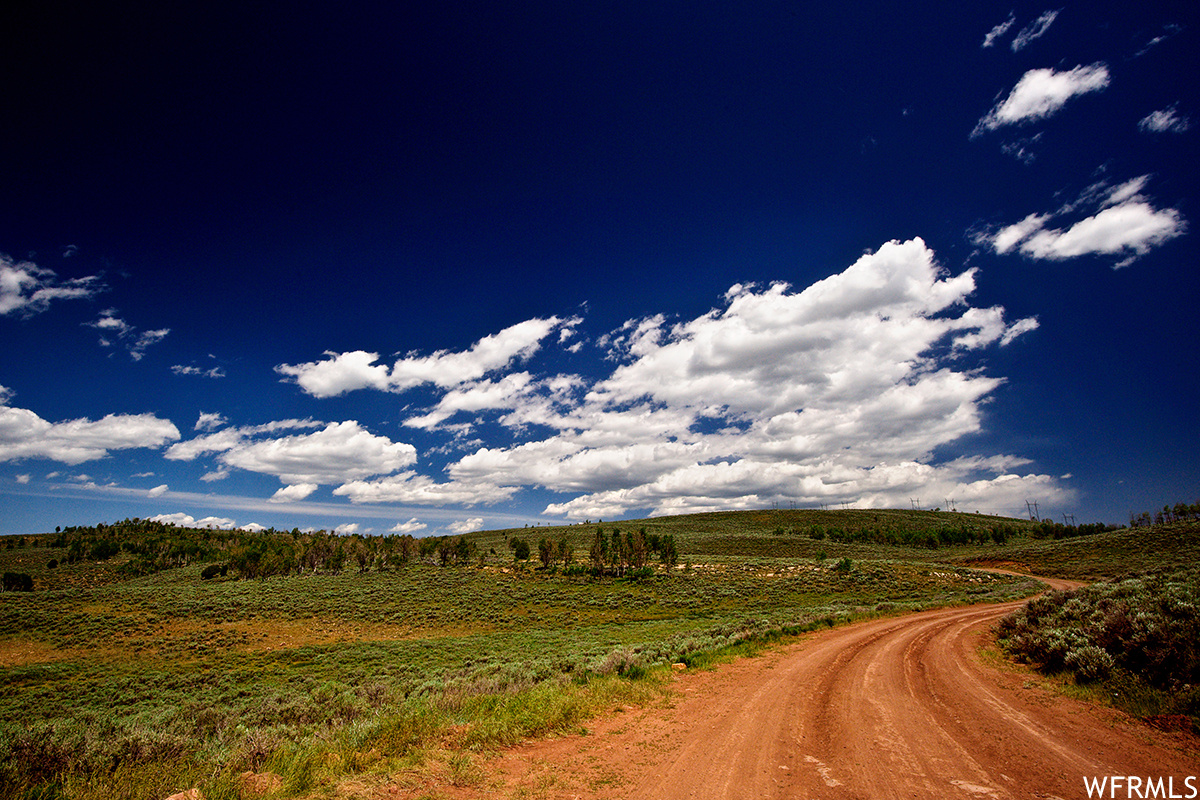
<point x="340" y="452"/>
<point x="24" y="434"/>
<point x="1041" y="93"/>
<point x="346" y="372"/>
<point x="467" y="525"/>
<point x="843" y="392"/>
<point x="412" y="526"/>
<point x="294" y="492"/>
<point x="830" y="394"/>
<point x="414" y="489"/>
<point x="183" y="520"/>
<point x="1124" y="223"/>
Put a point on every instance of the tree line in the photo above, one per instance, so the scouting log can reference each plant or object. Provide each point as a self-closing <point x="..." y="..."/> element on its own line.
<point x="614" y="553"/>
<point x="1180" y="512"/>
<point x="153" y="546"/>
<point x="149" y="546"/>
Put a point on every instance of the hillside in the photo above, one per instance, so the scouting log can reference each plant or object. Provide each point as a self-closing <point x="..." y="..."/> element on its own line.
<point x="162" y="657"/>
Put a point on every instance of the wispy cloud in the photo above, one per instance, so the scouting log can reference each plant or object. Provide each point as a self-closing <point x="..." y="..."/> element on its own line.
<point x="210" y="421"/>
<point x="115" y="330"/>
<point x="1041" y="93"/>
<point x="230" y="505"/>
<point x="1034" y="30"/>
<point x="1169" y="31"/>
<point x="27" y="289"/>
<point x="997" y="32"/>
<point x="214" y="372"/>
<point x="1022" y="149"/>
<point x="1167" y="120"/>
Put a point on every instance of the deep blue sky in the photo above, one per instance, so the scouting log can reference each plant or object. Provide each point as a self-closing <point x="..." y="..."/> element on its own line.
<point x="474" y="266"/>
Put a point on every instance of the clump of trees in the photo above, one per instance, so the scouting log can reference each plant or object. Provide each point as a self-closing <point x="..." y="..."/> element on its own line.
<point x="947" y="535"/>
<point x="621" y="554"/>
<point x="151" y="546"/>
<point x="1180" y="512"/>
<point x="616" y="553"/>
<point x="950" y="534"/>
<point x="1055" y="530"/>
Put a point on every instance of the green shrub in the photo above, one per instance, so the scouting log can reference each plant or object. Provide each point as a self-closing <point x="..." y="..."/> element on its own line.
<point x="1090" y="663"/>
<point x="1146" y="626"/>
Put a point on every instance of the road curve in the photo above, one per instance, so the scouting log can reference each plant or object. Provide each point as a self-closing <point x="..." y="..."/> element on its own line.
<point x="904" y="707"/>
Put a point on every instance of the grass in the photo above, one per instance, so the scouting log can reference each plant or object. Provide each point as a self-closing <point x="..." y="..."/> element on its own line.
<point x="140" y="687"/>
<point x="1104" y="555"/>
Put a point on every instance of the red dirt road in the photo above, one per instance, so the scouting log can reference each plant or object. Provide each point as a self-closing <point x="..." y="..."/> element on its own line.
<point x="892" y="708"/>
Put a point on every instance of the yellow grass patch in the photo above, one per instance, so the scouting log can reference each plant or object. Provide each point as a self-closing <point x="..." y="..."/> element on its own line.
<point x="19" y="652"/>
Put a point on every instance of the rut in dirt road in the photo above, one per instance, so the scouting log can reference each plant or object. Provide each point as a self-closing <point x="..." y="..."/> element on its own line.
<point x="900" y="708"/>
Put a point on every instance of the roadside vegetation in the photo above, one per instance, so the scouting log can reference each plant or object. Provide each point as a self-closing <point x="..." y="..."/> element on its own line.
<point x="147" y="659"/>
<point x="1132" y="640"/>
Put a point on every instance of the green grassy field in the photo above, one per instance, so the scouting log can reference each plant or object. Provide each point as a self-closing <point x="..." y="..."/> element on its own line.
<point x="118" y="686"/>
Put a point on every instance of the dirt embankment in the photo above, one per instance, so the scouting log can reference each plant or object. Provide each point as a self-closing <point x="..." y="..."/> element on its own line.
<point x="893" y="708"/>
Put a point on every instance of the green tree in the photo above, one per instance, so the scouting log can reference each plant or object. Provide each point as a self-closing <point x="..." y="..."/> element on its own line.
<point x="520" y="549"/>
<point x="566" y="550"/>
<point x="598" y="555"/>
<point x="667" y="551"/>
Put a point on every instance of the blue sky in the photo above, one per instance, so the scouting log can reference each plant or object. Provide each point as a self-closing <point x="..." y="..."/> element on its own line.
<point x="378" y="269"/>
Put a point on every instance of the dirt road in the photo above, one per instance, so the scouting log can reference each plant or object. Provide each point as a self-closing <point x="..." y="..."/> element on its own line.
<point x="892" y="708"/>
